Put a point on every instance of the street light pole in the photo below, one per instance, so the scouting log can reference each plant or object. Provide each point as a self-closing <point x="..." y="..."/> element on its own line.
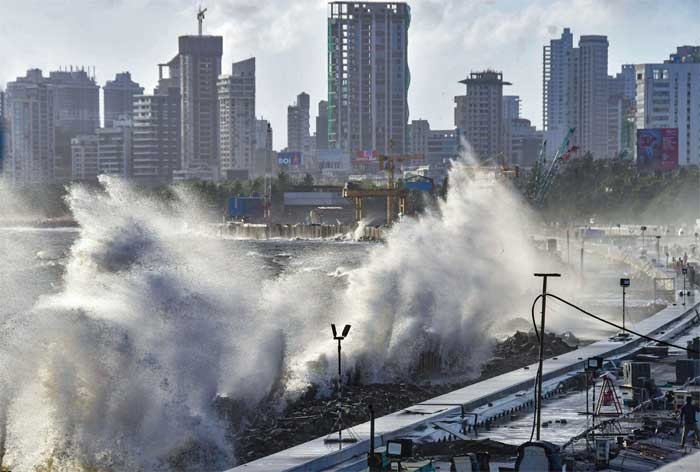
<point x="538" y="413"/>
<point x="685" y="272"/>
<point x="643" y="229"/>
<point x="658" y="249"/>
<point x="339" y="420"/>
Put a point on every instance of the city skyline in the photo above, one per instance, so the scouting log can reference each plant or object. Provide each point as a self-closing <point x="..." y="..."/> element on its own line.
<point x="504" y="37"/>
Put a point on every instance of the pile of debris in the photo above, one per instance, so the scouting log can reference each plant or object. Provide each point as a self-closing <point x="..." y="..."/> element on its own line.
<point x="267" y="431"/>
<point x="523" y="349"/>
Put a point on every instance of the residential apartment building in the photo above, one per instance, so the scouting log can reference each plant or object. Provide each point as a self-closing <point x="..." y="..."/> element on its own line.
<point x="668" y="96"/>
<point x="479" y="113"/>
<point x="29" y="103"/>
<point x="156" y="149"/>
<point x="84" y="158"/>
<point x="118" y="96"/>
<point x="199" y="65"/>
<point x="368" y="76"/>
<point x="237" y="122"/>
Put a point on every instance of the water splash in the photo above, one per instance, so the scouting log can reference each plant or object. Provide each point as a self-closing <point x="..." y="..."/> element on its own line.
<point x="155" y="319"/>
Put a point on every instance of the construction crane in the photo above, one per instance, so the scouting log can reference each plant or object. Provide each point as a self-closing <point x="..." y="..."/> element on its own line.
<point x="388" y="163"/>
<point x="390" y="192"/>
<point x="545" y="176"/>
<point x="200" y="18"/>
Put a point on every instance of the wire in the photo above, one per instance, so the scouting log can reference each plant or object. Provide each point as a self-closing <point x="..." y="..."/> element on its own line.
<point x="649" y="338"/>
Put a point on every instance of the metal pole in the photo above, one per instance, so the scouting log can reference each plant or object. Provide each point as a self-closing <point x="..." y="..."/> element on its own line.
<point x="568" y="248"/>
<point x="593" y="416"/>
<point x="538" y="412"/>
<point x="623" y="309"/>
<point x="684" y="297"/>
<point x="340" y="401"/>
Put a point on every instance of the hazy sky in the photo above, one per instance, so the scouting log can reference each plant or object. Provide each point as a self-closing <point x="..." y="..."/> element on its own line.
<point x="447" y="39"/>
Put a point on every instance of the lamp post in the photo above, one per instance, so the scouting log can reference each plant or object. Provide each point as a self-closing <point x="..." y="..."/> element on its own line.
<point x="643" y="229"/>
<point x="684" y="270"/>
<point x="624" y="283"/>
<point x="339" y="420"/>
<point x="658" y="249"/>
<point x="538" y="412"/>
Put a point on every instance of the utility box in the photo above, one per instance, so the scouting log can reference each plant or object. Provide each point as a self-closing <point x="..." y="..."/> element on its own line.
<point x="694" y="348"/>
<point x="636" y="373"/>
<point x="687" y="369"/>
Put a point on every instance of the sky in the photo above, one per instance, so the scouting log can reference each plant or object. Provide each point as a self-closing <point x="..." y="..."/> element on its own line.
<point x="447" y="40"/>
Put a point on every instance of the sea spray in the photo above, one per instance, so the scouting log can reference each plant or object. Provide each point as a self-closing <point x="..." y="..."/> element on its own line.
<point x="155" y="319"/>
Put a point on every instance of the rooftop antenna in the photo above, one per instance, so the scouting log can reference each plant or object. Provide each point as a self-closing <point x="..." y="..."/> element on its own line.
<point x="200" y="18"/>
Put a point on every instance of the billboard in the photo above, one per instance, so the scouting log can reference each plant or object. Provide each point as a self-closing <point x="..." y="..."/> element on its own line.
<point x="291" y="159"/>
<point x="657" y="149"/>
<point x="366" y="156"/>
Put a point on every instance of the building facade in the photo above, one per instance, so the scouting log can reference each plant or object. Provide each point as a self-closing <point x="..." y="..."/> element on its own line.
<point x="298" y="126"/>
<point x="237" y="122"/>
<point x="156" y="149"/>
<point x="575" y="93"/>
<point x="118" y="95"/>
<point x="479" y="113"/>
<point x="30" y="115"/>
<point x="322" y="126"/>
<point x="114" y="148"/>
<point x="84" y="157"/>
<point x="199" y="64"/>
<point x="668" y="97"/>
<point x="263" y="148"/>
<point x="368" y="76"/>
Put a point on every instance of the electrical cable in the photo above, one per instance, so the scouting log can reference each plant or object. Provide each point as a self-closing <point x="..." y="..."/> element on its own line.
<point x="649" y="338"/>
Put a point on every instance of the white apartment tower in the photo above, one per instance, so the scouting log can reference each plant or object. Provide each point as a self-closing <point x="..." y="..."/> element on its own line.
<point x="368" y="76"/>
<point x="575" y="93"/>
<point x="237" y="119"/>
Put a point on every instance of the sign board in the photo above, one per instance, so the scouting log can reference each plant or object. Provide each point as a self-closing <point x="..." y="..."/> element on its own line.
<point x="657" y="149"/>
<point x="624" y="282"/>
<point x="290" y="159"/>
<point x="366" y="156"/>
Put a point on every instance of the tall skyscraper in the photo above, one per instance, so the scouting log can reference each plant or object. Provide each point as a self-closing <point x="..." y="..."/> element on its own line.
<point x="119" y="97"/>
<point x="30" y="114"/>
<point x="199" y="61"/>
<point x="263" y="148"/>
<point x="368" y="76"/>
<point x="3" y="131"/>
<point x="236" y="94"/>
<point x="76" y="104"/>
<point x="322" y="126"/>
<point x="479" y="113"/>
<point x="575" y="93"/>
<point x="157" y="126"/>
<point x="298" y="124"/>
<point x="557" y="87"/>
<point x="418" y="132"/>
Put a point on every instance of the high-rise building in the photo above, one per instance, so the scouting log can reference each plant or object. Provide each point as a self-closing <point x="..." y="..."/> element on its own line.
<point x="30" y="115"/>
<point x="511" y="107"/>
<point x="556" y="92"/>
<point x="199" y="64"/>
<point x="3" y="131"/>
<point x="368" y="76"/>
<point x="443" y="145"/>
<point x="119" y="97"/>
<point x="156" y="150"/>
<point x="668" y="97"/>
<point x="263" y="148"/>
<point x="591" y="121"/>
<point x="298" y="124"/>
<point x="479" y="113"/>
<point x="322" y="126"/>
<point x="76" y="104"/>
<point x="114" y="148"/>
<point x="84" y="157"/>
<point x="575" y="93"/>
<point x="236" y="94"/>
